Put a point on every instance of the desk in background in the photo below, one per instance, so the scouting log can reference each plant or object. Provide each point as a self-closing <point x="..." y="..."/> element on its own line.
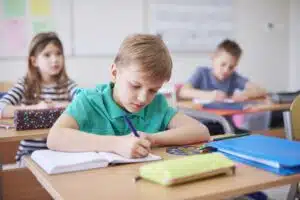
<point x="264" y="105"/>
<point x="10" y="139"/>
<point x="117" y="182"/>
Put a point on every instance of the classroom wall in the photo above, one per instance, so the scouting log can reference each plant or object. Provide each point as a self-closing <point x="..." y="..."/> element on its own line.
<point x="294" y="82"/>
<point x="265" y="60"/>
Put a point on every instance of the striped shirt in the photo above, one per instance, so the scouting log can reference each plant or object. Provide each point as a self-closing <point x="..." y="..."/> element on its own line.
<point x="54" y="92"/>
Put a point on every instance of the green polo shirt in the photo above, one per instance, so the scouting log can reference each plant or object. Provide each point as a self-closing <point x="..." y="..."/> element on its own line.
<point x="96" y="112"/>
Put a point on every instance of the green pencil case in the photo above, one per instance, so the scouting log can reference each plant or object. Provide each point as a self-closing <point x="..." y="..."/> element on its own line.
<point x="185" y="169"/>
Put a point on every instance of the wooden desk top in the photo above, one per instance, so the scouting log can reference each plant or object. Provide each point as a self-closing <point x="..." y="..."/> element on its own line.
<point x="263" y="105"/>
<point x="116" y="182"/>
<point x="12" y="135"/>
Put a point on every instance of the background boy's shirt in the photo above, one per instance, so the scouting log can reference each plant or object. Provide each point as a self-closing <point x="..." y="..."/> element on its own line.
<point x="204" y="79"/>
<point x="96" y="112"/>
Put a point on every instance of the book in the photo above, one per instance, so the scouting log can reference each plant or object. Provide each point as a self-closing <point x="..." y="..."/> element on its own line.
<point x="56" y="162"/>
<point x="206" y="101"/>
<point x="226" y="104"/>
<point x="188" y="168"/>
<point x="273" y="154"/>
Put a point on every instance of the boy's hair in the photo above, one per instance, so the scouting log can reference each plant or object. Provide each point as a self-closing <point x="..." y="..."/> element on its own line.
<point x="230" y="47"/>
<point x="147" y="51"/>
<point x="33" y="78"/>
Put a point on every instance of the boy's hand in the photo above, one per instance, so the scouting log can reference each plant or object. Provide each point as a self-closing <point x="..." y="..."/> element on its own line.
<point x="219" y="95"/>
<point x="133" y="147"/>
<point x="148" y="137"/>
<point x="239" y="97"/>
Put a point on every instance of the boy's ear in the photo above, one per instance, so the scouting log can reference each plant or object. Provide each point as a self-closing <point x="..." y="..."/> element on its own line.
<point x="113" y="70"/>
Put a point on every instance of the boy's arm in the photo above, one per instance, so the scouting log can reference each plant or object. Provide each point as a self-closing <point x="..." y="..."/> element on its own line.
<point x="251" y="91"/>
<point x="66" y="136"/>
<point x="188" y="92"/>
<point x="182" y="130"/>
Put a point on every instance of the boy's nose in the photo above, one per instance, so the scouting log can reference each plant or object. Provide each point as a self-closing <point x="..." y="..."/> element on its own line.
<point x="142" y="97"/>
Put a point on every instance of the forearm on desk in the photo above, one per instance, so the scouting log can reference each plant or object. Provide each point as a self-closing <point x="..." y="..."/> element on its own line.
<point x="181" y="136"/>
<point x="255" y="93"/>
<point x="189" y="92"/>
<point x="9" y="110"/>
<point x="252" y="90"/>
<point x="68" y="139"/>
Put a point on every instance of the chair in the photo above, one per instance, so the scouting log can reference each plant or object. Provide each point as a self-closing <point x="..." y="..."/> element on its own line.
<point x="292" y="130"/>
<point x="202" y="115"/>
<point x="171" y="94"/>
<point x="5" y="86"/>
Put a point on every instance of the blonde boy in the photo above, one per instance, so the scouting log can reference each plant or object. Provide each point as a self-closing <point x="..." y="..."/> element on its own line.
<point x="221" y="81"/>
<point x="94" y="121"/>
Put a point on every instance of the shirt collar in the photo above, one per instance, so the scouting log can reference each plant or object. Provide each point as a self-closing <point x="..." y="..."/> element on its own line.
<point x="113" y="109"/>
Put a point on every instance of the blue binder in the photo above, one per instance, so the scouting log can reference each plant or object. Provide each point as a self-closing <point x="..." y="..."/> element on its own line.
<point x="226" y="106"/>
<point x="263" y="152"/>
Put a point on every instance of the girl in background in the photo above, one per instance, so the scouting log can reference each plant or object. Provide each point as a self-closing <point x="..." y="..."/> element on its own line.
<point x="45" y="85"/>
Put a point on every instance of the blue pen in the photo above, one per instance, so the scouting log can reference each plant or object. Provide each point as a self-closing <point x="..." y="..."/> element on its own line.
<point x="127" y="120"/>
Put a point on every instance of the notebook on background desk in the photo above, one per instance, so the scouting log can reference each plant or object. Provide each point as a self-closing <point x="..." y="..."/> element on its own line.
<point x="227" y="104"/>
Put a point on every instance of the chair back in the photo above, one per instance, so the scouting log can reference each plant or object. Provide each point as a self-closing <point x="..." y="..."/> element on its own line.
<point x="295" y="118"/>
<point x="5" y="86"/>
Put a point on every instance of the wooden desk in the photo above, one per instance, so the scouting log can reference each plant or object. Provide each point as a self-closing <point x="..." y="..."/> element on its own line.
<point x="10" y="139"/>
<point x="116" y="182"/>
<point x="264" y="105"/>
<point x="28" y="187"/>
<point x="279" y="132"/>
<point x="13" y="135"/>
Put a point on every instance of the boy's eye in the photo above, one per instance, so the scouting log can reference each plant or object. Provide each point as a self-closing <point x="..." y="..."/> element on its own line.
<point x="135" y="86"/>
<point x="47" y="55"/>
<point x="231" y="68"/>
<point x="153" y="91"/>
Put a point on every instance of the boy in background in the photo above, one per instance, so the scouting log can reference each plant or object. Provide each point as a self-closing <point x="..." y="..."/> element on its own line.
<point x="221" y="81"/>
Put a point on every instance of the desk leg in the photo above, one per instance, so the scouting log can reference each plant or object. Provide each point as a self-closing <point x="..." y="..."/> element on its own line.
<point x="293" y="192"/>
<point x="288" y="125"/>
<point x="1" y="184"/>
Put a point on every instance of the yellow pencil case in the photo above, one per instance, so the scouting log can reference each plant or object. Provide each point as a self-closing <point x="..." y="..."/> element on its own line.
<point x="189" y="168"/>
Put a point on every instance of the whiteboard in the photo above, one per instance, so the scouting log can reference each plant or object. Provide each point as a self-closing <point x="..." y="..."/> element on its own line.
<point x="191" y="25"/>
<point x="20" y="20"/>
<point x="100" y="26"/>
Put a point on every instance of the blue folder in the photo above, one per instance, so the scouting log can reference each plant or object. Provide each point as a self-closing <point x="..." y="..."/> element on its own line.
<point x="226" y="106"/>
<point x="283" y="152"/>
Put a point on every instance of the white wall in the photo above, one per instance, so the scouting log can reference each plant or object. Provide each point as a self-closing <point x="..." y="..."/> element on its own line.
<point x="294" y="82"/>
<point x="266" y="52"/>
<point x="265" y="59"/>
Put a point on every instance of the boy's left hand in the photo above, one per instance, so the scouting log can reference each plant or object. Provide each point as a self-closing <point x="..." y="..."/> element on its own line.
<point x="147" y="136"/>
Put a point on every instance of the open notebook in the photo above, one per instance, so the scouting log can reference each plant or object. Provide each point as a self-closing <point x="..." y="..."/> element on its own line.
<point x="55" y="162"/>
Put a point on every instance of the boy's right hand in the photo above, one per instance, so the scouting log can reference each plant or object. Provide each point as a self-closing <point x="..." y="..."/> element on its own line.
<point x="133" y="147"/>
<point x="219" y="95"/>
